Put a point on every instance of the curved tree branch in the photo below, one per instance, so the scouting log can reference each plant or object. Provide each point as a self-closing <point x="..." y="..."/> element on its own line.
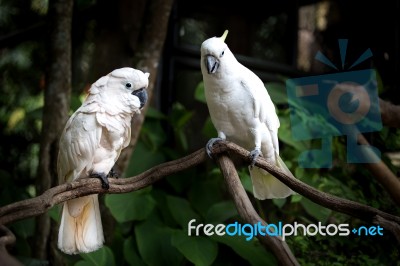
<point x="249" y="214"/>
<point x="390" y="114"/>
<point x="354" y="209"/>
<point x="381" y="172"/>
<point x="35" y="206"/>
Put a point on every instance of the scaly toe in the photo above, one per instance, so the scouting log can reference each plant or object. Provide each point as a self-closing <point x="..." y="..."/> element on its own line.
<point x="103" y="178"/>
<point x="210" y="144"/>
<point x="253" y="156"/>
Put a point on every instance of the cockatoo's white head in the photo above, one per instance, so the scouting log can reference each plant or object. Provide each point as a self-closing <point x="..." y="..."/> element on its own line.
<point x="213" y="51"/>
<point x="126" y="84"/>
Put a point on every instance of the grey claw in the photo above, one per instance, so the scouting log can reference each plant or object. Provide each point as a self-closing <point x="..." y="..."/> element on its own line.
<point x="253" y="156"/>
<point x="112" y="174"/>
<point x="103" y="178"/>
<point x="210" y="144"/>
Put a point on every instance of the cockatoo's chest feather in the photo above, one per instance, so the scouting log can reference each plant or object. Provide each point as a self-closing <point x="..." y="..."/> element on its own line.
<point x="231" y="110"/>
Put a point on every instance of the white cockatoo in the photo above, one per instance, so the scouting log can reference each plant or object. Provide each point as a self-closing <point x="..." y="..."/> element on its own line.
<point x="242" y="112"/>
<point x="90" y="144"/>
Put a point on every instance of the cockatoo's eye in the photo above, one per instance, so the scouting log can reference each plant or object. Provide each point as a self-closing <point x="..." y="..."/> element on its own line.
<point x="128" y="85"/>
<point x="222" y="54"/>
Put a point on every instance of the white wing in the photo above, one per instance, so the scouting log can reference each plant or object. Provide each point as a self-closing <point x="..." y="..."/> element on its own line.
<point x="78" y="143"/>
<point x="264" y="108"/>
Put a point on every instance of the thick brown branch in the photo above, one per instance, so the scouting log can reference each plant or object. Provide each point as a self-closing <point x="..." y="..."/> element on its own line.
<point x="35" y="206"/>
<point x="7" y="238"/>
<point x="381" y="172"/>
<point x="354" y="209"/>
<point x="148" y="57"/>
<point x="248" y="213"/>
<point x="390" y="114"/>
<point x="59" y="194"/>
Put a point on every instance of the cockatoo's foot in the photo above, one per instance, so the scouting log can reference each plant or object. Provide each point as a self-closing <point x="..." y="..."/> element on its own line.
<point x="253" y="156"/>
<point x="112" y="174"/>
<point x="210" y="144"/>
<point x="103" y="179"/>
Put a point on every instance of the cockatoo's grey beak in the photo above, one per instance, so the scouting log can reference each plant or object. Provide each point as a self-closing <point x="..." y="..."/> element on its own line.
<point x="212" y="64"/>
<point x="142" y="95"/>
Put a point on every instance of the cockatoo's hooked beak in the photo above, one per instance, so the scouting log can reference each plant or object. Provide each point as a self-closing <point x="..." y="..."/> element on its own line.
<point x="223" y="37"/>
<point x="212" y="64"/>
<point x="142" y="95"/>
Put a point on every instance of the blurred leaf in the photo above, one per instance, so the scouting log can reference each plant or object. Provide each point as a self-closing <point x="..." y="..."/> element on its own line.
<point x="133" y="206"/>
<point x="24" y="228"/>
<point x="204" y="193"/>
<point x="296" y="198"/>
<point x="154" y="113"/>
<point x="55" y="213"/>
<point x="179" y="116"/>
<point x="197" y="249"/>
<point x="76" y="102"/>
<point x="199" y="93"/>
<point x="209" y="130"/>
<point x="285" y="135"/>
<point x="16" y="116"/>
<point x="100" y="257"/>
<point x="252" y="251"/>
<point x="279" y="202"/>
<point x="221" y="211"/>
<point x="181" y="210"/>
<point x="130" y="253"/>
<point x="277" y="92"/>
<point x="182" y="181"/>
<point x="178" y="119"/>
<point x="246" y="179"/>
<point x="154" y="243"/>
<point x="143" y="159"/>
<point x="318" y="212"/>
<point x="152" y="134"/>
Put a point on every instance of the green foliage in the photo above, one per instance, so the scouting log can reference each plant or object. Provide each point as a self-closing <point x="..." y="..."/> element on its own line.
<point x="139" y="203"/>
<point x="150" y="225"/>
<point x="198" y="250"/>
<point x="251" y="251"/>
<point x="102" y="256"/>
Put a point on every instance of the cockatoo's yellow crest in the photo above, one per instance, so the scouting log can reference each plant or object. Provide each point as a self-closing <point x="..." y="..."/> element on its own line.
<point x="223" y="37"/>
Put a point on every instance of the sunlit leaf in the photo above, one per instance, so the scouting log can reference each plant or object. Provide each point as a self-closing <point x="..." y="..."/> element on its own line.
<point x="16" y="116"/>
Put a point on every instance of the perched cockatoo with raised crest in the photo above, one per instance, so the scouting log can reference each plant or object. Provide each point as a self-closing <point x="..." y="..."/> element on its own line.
<point x="242" y="112"/>
<point x="90" y="144"/>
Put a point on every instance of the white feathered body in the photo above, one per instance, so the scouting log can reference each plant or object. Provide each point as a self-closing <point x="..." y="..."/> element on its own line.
<point x="91" y="142"/>
<point x="242" y="112"/>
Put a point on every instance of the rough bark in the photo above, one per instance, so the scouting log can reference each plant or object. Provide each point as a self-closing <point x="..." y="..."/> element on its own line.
<point x="55" y="110"/>
<point x="82" y="187"/>
<point x="147" y="58"/>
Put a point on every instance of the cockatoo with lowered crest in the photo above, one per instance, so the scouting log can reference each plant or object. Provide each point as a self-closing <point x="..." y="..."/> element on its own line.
<point x="242" y="112"/>
<point x="90" y="144"/>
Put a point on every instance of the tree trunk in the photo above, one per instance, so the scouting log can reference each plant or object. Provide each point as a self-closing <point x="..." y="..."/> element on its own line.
<point x="147" y="58"/>
<point x="55" y="111"/>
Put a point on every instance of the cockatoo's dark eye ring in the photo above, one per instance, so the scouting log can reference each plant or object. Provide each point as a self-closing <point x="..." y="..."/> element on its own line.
<point x="222" y="53"/>
<point x="128" y="85"/>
